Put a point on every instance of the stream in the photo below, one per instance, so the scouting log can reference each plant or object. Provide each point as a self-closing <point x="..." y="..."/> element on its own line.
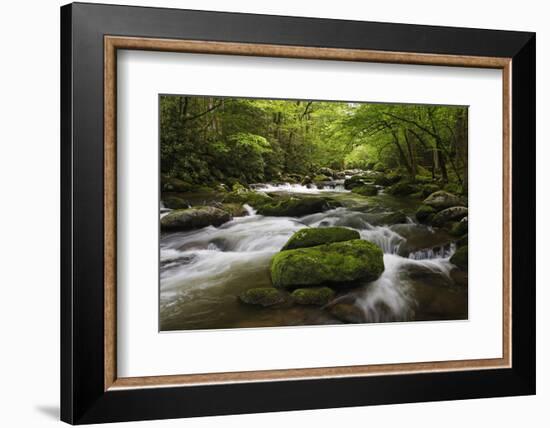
<point x="202" y="272"/>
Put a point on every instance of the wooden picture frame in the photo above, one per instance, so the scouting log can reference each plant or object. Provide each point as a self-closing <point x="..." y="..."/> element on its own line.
<point x="91" y="390"/>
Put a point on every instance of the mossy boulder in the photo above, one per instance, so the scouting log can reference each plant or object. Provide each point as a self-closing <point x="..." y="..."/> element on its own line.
<point x="321" y="177"/>
<point x="388" y="179"/>
<point x="293" y="207"/>
<point x="235" y="209"/>
<point x="326" y="172"/>
<point x="176" y="185"/>
<point x="263" y="296"/>
<point x="194" y="218"/>
<point x="339" y="264"/>
<point x="354" y="181"/>
<point x="174" y="202"/>
<point x="311" y="237"/>
<point x="307" y="180"/>
<point x="365" y="190"/>
<point x="425" y="213"/>
<point x="403" y="188"/>
<point x="441" y="199"/>
<point x="398" y="217"/>
<point x="319" y="296"/>
<point x="428" y="188"/>
<point x="460" y="258"/>
<point x="449" y="214"/>
<point x="460" y="228"/>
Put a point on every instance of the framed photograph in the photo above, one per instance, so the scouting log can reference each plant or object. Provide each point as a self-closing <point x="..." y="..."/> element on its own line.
<point x="265" y="213"/>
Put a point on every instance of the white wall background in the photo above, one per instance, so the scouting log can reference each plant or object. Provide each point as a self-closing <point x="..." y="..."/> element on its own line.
<point x="29" y="214"/>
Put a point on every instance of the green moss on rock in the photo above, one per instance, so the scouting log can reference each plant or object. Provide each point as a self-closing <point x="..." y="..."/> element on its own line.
<point x="449" y="215"/>
<point x="263" y="296"/>
<point x="355" y="181"/>
<point x="460" y="228"/>
<point x="321" y="178"/>
<point x="319" y="296"/>
<point x="428" y="189"/>
<point x="460" y="258"/>
<point x="174" y="202"/>
<point x="235" y="209"/>
<point x="365" y="190"/>
<point x="311" y="237"/>
<point x="194" y="218"/>
<point x="338" y="263"/>
<point x="442" y="199"/>
<point x="293" y="207"/>
<point x="403" y="188"/>
<point x="425" y="213"/>
<point x="398" y="217"/>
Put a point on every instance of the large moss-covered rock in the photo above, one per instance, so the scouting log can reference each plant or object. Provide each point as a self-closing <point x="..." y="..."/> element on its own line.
<point x="449" y="214"/>
<point x="313" y="236"/>
<point x="355" y="181"/>
<point x="263" y="296"/>
<point x="387" y="180"/>
<point x="365" y="190"/>
<point x="398" y="217"/>
<point x="460" y="258"/>
<point x="174" y="202"/>
<point x="194" y="218"/>
<point x="293" y="207"/>
<point x="403" y="188"/>
<point x="339" y="263"/>
<point x="425" y="213"/>
<point x="235" y="209"/>
<point x="319" y="296"/>
<point x="326" y="171"/>
<point x="460" y="228"/>
<point x="319" y="178"/>
<point x="307" y="180"/>
<point x="428" y="188"/>
<point x="441" y="199"/>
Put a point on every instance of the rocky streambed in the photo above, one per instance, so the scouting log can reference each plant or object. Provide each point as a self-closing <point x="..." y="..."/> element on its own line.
<point x="350" y="250"/>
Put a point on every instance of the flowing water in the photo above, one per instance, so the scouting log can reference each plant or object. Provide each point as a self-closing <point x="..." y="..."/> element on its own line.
<point x="204" y="271"/>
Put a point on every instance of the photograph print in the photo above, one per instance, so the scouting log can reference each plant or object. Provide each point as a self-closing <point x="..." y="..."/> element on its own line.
<point x="282" y="212"/>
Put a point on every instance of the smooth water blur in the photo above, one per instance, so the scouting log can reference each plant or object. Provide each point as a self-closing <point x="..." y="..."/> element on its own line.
<point x="203" y="271"/>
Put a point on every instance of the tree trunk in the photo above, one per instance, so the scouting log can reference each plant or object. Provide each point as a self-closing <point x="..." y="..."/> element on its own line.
<point x="401" y="153"/>
<point x="412" y="154"/>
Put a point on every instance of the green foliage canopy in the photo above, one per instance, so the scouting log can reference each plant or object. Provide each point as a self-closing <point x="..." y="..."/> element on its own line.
<point x="208" y="140"/>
